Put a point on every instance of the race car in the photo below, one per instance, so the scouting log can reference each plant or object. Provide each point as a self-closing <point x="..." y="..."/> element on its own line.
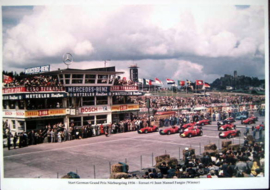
<point x="188" y="125"/>
<point x="229" y="134"/>
<point x="203" y="122"/>
<point x="191" y="132"/>
<point x="248" y="121"/>
<point x="240" y="117"/>
<point x="254" y="118"/>
<point x="227" y="127"/>
<point x="148" y="129"/>
<point x="170" y="130"/>
<point x="226" y="121"/>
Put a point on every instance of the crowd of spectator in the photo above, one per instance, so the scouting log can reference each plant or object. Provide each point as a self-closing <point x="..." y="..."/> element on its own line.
<point x="158" y="102"/>
<point x="247" y="161"/>
<point x="34" y="81"/>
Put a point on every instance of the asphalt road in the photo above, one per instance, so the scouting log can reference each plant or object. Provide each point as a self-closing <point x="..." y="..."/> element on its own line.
<point x="92" y="157"/>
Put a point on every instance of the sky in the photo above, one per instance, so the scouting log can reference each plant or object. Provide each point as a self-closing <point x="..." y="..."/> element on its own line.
<point x="176" y="41"/>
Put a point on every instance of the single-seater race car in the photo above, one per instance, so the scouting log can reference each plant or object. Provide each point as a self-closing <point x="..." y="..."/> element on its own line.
<point x="226" y="121"/>
<point x="170" y="130"/>
<point x="227" y="127"/>
<point x="148" y="129"/>
<point x="229" y="134"/>
<point x="240" y="117"/>
<point x="248" y="121"/>
<point x="254" y="118"/>
<point x="191" y="132"/>
<point x="203" y="122"/>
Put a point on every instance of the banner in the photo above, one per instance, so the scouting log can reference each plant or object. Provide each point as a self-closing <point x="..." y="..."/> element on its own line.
<point x="40" y="113"/>
<point x="127" y="107"/>
<point x="8" y="79"/>
<point x="39" y="69"/>
<point x="94" y="109"/>
<point x="123" y="88"/>
<point x="44" y="95"/>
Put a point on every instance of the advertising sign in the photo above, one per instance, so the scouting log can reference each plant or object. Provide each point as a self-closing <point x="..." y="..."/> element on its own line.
<point x="87" y="91"/>
<point x="13" y="97"/>
<point x="45" y="95"/>
<point x="124" y="88"/>
<point x="94" y="109"/>
<point x="39" y="69"/>
<point x="14" y="113"/>
<point x="126" y="107"/>
<point x="38" y="113"/>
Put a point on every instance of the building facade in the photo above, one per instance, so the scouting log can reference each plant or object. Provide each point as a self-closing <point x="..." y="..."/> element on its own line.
<point x="67" y="96"/>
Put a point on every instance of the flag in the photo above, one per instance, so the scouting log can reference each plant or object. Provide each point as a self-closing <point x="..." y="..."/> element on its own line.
<point x="146" y="81"/>
<point x="140" y="80"/>
<point x="199" y="82"/>
<point x="182" y="83"/>
<point x="170" y="81"/>
<point x="7" y="79"/>
<point x="206" y="85"/>
<point x="158" y="81"/>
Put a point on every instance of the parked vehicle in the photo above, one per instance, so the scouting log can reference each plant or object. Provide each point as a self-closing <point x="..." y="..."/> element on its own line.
<point x="248" y="121"/>
<point x="148" y="129"/>
<point x="171" y="130"/>
<point x="229" y="134"/>
<point x="203" y="122"/>
<point x="191" y="132"/>
<point x="227" y="127"/>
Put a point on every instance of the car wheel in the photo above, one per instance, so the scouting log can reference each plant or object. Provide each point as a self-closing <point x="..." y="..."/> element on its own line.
<point x="189" y="135"/>
<point x="169" y="132"/>
<point x="238" y="133"/>
<point x="249" y="122"/>
<point x="202" y="124"/>
<point x="210" y="122"/>
<point x="145" y="131"/>
<point x="156" y="130"/>
<point x="226" y="129"/>
<point x="230" y="136"/>
<point x="201" y="133"/>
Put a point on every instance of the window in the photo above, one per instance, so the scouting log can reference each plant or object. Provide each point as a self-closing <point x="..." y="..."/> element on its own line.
<point x="77" y="78"/>
<point x="21" y="104"/>
<point x="12" y="105"/>
<point x="101" y="119"/>
<point x="5" y="104"/>
<point x="67" y="78"/>
<point x="76" y="121"/>
<point x="111" y="78"/>
<point x="102" y="100"/>
<point x="21" y="125"/>
<point x="88" y="101"/>
<point x="90" y="79"/>
<point x="89" y="120"/>
<point x="102" y="79"/>
<point x="13" y="124"/>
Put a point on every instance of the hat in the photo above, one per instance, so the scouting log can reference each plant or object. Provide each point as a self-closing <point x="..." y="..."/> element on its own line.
<point x="186" y="148"/>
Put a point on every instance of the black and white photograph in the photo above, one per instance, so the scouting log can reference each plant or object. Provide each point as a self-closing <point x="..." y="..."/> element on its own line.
<point x="135" y="94"/>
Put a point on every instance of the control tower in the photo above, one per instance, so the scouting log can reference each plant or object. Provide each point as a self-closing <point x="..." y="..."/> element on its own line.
<point x="133" y="73"/>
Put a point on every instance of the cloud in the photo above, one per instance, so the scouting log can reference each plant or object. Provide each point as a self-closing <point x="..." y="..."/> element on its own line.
<point x="181" y="36"/>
